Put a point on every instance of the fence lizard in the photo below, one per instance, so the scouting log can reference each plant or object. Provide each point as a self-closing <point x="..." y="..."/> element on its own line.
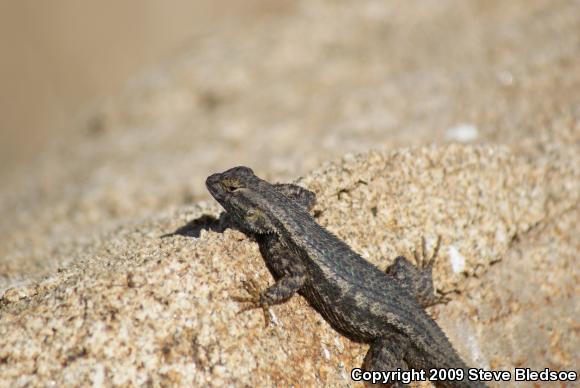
<point x="384" y="309"/>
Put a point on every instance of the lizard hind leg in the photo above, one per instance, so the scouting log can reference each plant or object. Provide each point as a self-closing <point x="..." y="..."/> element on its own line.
<point x="418" y="279"/>
<point x="387" y="355"/>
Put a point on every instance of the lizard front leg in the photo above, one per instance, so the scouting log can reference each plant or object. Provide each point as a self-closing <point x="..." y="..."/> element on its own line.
<point x="277" y="293"/>
<point x="288" y="270"/>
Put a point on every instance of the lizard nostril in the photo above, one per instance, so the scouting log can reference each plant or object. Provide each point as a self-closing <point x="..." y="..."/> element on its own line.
<point x="212" y="182"/>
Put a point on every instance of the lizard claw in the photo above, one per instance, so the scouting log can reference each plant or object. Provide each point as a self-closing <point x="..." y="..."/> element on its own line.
<point x="423" y="261"/>
<point x="442" y="299"/>
<point x="254" y="299"/>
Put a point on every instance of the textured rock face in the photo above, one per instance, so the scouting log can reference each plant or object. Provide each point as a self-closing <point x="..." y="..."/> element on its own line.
<point x="141" y="308"/>
<point x="91" y="293"/>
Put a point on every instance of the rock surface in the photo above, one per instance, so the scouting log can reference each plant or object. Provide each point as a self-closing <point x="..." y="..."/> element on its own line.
<point x="140" y="308"/>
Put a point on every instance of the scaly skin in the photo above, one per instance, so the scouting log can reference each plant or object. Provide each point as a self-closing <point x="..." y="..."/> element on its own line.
<point x="360" y="301"/>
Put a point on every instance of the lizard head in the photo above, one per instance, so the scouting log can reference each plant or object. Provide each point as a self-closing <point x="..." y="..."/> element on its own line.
<point x="238" y="190"/>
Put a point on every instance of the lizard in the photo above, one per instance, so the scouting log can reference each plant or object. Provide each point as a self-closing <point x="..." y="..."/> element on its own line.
<point x="382" y="308"/>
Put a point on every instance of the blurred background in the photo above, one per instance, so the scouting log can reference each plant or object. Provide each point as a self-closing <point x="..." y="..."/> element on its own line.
<point x="116" y="110"/>
<point x="61" y="56"/>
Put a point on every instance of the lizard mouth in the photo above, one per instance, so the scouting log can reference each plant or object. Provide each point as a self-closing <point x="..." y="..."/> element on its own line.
<point x="214" y="186"/>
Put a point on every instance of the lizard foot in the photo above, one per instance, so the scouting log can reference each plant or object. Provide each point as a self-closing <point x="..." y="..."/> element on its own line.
<point x="254" y="299"/>
<point x="424" y="263"/>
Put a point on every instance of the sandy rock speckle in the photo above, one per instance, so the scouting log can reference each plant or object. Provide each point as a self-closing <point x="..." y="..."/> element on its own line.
<point x="149" y="309"/>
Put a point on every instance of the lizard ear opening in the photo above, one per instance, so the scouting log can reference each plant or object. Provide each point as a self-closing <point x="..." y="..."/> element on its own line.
<point x="258" y="222"/>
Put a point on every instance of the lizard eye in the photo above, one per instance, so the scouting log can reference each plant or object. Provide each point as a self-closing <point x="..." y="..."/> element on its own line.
<point x="231" y="185"/>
